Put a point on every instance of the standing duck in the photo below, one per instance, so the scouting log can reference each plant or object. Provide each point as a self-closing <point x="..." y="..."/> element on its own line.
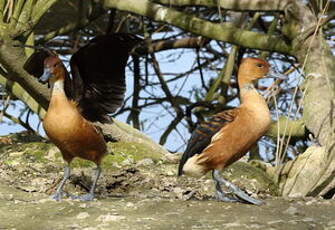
<point x="96" y="89"/>
<point x="227" y="136"/>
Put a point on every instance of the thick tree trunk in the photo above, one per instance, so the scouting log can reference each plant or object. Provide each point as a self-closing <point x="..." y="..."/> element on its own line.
<point x="312" y="173"/>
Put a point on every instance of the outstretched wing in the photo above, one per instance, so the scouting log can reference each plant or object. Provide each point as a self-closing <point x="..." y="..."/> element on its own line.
<point x="98" y="72"/>
<point x="203" y="133"/>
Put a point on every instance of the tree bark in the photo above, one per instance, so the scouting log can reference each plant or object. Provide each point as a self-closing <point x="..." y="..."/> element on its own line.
<point x="237" y="5"/>
<point x="314" y="55"/>
<point x="224" y="31"/>
<point x="12" y="59"/>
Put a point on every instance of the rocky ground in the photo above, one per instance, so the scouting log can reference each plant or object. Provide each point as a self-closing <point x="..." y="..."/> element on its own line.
<point x="139" y="190"/>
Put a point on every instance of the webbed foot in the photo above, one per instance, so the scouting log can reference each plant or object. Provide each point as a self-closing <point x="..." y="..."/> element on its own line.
<point x="241" y="195"/>
<point x="57" y="196"/>
<point x="85" y="197"/>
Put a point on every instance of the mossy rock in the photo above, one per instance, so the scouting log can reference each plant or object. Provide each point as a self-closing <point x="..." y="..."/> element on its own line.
<point x="122" y="153"/>
<point x="39" y="152"/>
<point x="251" y="177"/>
<point x="34" y="152"/>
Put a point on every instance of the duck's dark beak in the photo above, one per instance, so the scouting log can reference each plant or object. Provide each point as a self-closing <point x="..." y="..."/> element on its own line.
<point x="45" y="76"/>
<point x="275" y="74"/>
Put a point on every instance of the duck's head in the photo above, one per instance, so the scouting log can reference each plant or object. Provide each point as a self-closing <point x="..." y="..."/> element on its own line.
<point x="53" y="70"/>
<point x="252" y="69"/>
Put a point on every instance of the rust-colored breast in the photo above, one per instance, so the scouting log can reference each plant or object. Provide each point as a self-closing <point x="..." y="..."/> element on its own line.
<point x="234" y="140"/>
<point x="71" y="133"/>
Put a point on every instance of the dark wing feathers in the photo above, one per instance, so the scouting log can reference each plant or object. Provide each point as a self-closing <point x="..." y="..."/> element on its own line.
<point x="203" y="133"/>
<point x="75" y="86"/>
<point x="98" y="71"/>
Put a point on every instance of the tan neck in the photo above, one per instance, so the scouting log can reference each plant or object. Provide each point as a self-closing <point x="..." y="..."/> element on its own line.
<point x="256" y="105"/>
<point x="243" y="80"/>
<point x="58" y="95"/>
<point x="58" y="86"/>
<point x="248" y="93"/>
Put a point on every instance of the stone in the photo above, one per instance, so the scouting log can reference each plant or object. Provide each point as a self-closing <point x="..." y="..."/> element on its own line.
<point x="145" y="162"/>
<point x="110" y="217"/>
<point x="82" y="215"/>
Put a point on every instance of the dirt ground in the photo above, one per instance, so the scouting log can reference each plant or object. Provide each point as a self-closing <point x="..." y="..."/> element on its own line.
<point x="24" y="210"/>
<point x="140" y="193"/>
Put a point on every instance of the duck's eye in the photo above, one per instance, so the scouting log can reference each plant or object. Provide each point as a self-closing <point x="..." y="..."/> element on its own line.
<point x="260" y="65"/>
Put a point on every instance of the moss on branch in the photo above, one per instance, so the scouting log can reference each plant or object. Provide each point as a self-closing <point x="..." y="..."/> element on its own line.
<point x="224" y="32"/>
<point x="119" y="131"/>
<point x="17" y="11"/>
<point x="237" y="5"/>
<point x="285" y="127"/>
<point x="12" y="58"/>
<point x="31" y="14"/>
<point x="25" y="14"/>
<point x="2" y="6"/>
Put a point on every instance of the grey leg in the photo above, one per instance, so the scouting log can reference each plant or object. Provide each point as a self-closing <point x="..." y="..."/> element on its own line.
<point x="59" y="191"/>
<point x="90" y="196"/>
<point x="233" y="188"/>
<point x="221" y="195"/>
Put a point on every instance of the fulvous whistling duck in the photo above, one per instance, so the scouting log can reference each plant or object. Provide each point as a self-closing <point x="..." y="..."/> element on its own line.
<point x="228" y="135"/>
<point x="96" y="88"/>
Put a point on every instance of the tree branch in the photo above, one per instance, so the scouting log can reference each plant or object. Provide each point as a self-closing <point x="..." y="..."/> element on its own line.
<point x="36" y="13"/>
<point x="294" y="128"/>
<point x="41" y="7"/>
<point x="20" y="122"/>
<point x="156" y="46"/>
<point x="24" y="14"/>
<point x="172" y="126"/>
<point x="2" y="7"/>
<point x="17" y="91"/>
<point x="79" y="24"/>
<point x="223" y="31"/>
<point x="12" y="59"/>
<point x="171" y="99"/>
<point x="134" y="115"/>
<point x="16" y="14"/>
<point x="236" y="5"/>
<point x="119" y="131"/>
